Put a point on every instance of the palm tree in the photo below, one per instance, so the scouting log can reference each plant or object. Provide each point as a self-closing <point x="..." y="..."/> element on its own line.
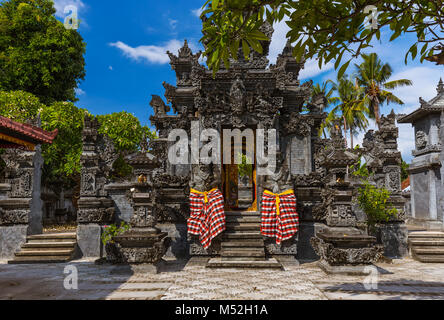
<point x="351" y="108"/>
<point x="322" y="89"/>
<point x="373" y="75"/>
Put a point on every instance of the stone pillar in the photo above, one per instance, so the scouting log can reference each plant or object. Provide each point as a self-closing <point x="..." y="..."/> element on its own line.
<point x="20" y="203"/>
<point x="384" y="162"/>
<point x="94" y="208"/>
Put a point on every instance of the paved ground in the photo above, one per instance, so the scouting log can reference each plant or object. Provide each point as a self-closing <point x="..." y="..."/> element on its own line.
<point x="404" y="279"/>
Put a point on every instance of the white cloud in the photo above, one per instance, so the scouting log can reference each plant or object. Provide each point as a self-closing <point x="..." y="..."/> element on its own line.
<point x="425" y="80"/>
<point x="278" y="42"/>
<point x="197" y="12"/>
<point x="61" y="4"/>
<point x="79" y="92"/>
<point x="152" y="54"/>
<point x="311" y="69"/>
<point x="173" y="23"/>
<point x="110" y="68"/>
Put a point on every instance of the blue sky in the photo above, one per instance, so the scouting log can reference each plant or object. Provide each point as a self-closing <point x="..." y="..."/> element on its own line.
<point x="126" y="61"/>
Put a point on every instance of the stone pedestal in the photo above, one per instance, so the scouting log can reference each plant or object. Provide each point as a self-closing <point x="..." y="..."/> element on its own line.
<point x="393" y="236"/>
<point x="139" y="246"/>
<point x="345" y="248"/>
<point x="144" y="243"/>
<point x="92" y="215"/>
<point x="286" y="248"/>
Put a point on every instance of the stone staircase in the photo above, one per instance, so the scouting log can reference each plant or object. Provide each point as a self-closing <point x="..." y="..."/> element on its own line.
<point x="242" y="243"/>
<point x="47" y="248"/>
<point x="427" y="246"/>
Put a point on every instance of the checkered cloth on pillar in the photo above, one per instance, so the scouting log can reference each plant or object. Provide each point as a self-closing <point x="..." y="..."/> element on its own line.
<point x="279" y="217"/>
<point x="207" y="215"/>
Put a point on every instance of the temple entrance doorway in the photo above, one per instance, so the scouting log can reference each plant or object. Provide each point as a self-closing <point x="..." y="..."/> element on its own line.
<point x="239" y="180"/>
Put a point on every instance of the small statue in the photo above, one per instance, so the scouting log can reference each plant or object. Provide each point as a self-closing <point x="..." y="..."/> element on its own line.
<point x="142" y="178"/>
<point x="237" y="95"/>
<point x="205" y="177"/>
<point x="279" y="181"/>
<point x="159" y="107"/>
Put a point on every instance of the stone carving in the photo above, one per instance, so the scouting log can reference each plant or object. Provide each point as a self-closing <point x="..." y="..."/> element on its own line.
<point x="336" y="256"/>
<point x="135" y="250"/>
<point x="19" y="172"/>
<point x="144" y="217"/>
<point x="421" y="140"/>
<point x="159" y="107"/>
<point x="13" y="217"/>
<point x="281" y="179"/>
<point x="205" y="177"/>
<point x="288" y="247"/>
<point x="237" y="96"/>
<point x="299" y="125"/>
<point x="95" y="215"/>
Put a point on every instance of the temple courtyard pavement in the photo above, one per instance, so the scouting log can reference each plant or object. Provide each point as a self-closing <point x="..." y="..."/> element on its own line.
<point x="400" y="279"/>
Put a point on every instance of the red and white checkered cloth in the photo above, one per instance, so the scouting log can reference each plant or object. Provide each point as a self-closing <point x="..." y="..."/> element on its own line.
<point x="207" y="220"/>
<point x="281" y="224"/>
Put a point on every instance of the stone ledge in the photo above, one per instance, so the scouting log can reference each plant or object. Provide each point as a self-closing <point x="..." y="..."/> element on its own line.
<point x="346" y="270"/>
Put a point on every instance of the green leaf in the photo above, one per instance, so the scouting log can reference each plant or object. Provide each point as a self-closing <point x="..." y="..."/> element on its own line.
<point x="255" y="45"/>
<point x="246" y="49"/>
<point x="343" y="69"/>
<point x="338" y="59"/>
<point x="258" y="35"/>
<point x="234" y="48"/>
<point x="214" y="4"/>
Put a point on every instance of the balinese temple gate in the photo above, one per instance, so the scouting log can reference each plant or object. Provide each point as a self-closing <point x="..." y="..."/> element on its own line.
<point x="250" y="95"/>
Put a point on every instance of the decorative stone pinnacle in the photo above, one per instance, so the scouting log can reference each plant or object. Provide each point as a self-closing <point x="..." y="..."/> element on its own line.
<point x="440" y="87"/>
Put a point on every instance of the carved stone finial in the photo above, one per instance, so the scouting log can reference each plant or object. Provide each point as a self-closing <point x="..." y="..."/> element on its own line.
<point x="440" y="87"/>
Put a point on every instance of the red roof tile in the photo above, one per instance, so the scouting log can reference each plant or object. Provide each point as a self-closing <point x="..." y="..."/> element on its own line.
<point x="405" y="183"/>
<point x="32" y="132"/>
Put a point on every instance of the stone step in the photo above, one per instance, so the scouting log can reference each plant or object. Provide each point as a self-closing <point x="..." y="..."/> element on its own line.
<point x="52" y="237"/>
<point x="47" y="245"/>
<point x="243" y="244"/>
<point x="40" y="259"/>
<point x="429" y="258"/>
<point x="243" y="253"/>
<point x="426" y="234"/>
<point x="271" y="263"/>
<point x="223" y="258"/>
<point x="243" y="226"/>
<point x="30" y="253"/>
<point x="242" y="219"/>
<point x="242" y="235"/>
<point x="428" y="250"/>
<point x="426" y="242"/>
<point x="242" y="214"/>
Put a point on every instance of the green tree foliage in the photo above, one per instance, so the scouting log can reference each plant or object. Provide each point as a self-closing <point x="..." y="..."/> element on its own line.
<point x="124" y="129"/>
<point x="351" y="109"/>
<point x="361" y="95"/>
<point x="374" y="202"/>
<point x="112" y="231"/>
<point x="127" y="133"/>
<point x="37" y="53"/>
<point x="404" y="170"/>
<point x="360" y="169"/>
<point x="19" y="105"/>
<point x="62" y="157"/>
<point x="245" y="166"/>
<point x="373" y="75"/>
<point x="323" y="28"/>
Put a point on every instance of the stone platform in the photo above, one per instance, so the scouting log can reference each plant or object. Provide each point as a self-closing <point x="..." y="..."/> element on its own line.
<point x="403" y="279"/>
